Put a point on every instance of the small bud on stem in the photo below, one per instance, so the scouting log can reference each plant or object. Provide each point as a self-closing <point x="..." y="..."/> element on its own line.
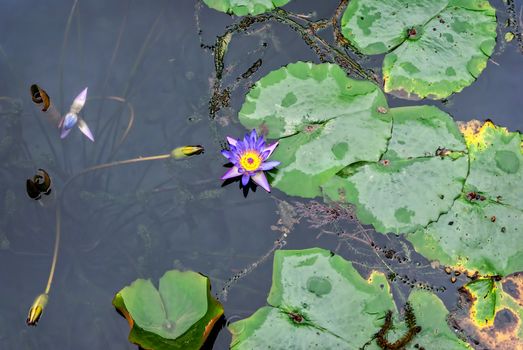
<point x="36" y="310"/>
<point x="186" y="151"/>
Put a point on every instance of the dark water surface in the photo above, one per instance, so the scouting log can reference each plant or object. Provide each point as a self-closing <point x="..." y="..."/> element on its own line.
<point x="140" y="220"/>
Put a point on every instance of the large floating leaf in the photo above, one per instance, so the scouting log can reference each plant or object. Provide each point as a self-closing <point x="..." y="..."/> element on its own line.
<point x="325" y="120"/>
<point x="496" y="164"/>
<point x="417" y="179"/>
<point x="483" y="237"/>
<point x="435" y="47"/>
<point x="244" y="7"/>
<point x="319" y="301"/>
<point x="482" y="231"/>
<point x="180" y="315"/>
<point x="490" y="313"/>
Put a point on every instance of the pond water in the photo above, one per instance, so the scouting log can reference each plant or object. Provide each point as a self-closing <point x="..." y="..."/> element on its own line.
<point x="139" y="220"/>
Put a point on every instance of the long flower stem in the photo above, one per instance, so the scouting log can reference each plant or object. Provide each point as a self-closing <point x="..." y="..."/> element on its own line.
<point x="56" y="246"/>
<point x="59" y="204"/>
<point x="115" y="163"/>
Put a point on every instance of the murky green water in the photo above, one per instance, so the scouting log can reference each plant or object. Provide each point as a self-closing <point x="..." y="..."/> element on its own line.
<point x="139" y="220"/>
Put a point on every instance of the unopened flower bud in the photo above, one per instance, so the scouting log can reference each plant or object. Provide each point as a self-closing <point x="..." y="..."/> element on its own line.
<point x="186" y="151"/>
<point x="36" y="310"/>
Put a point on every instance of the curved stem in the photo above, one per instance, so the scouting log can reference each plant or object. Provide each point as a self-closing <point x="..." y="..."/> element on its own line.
<point x="61" y="76"/>
<point x="111" y="64"/>
<point x="59" y="203"/>
<point x="114" y="163"/>
<point x="62" y="55"/>
<point x="129" y="123"/>
<point x="56" y="246"/>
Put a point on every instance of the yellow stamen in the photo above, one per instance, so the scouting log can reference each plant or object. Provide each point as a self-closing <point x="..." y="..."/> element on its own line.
<point x="250" y="160"/>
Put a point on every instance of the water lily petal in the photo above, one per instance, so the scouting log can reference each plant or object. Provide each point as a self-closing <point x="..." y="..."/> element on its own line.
<point x="231" y="141"/>
<point x="79" y="102"/>
<point x="240" y="146"/>
<point x="261" y="180"/>
<point x="64" y="133"/>
<point x="270" y="149"/>
<point x="70" y="120"/>
<point x="245" y="179"/>
<point x="269" y="165"/>
<point x="233" y="172"/>
<point x="260" y="144"/>
<point x="227" y="154"/>
<point x="82" y="125"/>
<point x="252" y="137"/>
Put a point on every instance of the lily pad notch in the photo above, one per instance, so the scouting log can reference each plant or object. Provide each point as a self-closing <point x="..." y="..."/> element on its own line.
<point x="482" y="230"/>
<point x="415" y="181"/>
<point x="180" y="314"/>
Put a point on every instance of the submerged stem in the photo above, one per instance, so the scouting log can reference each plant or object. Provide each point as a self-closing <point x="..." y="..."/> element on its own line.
<point x="115" y="163"/>
<point x="33" y="318"/>
<point x="56" y="246"/>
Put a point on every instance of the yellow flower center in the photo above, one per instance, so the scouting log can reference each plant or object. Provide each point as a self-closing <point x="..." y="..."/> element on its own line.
<point x="250" y="160"/>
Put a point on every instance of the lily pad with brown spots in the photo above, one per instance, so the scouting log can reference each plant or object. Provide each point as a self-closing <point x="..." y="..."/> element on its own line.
<point x="433" y="47"/>
<point x="319" y="301"/>
<point x="483" y="229"/>
<point x="490" y="313"/>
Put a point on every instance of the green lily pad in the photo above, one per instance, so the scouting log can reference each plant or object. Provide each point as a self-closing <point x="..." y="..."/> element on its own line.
<point x="324" y="120"/>
<point x="482" y="231"/>
<point x="318" y="300"/>
<point x="417" y="179"/>
<point x="245" y="7"/>
<point x="434" y="47"/>
<point x="496" y="165"/>
<point x="485" y="293"/>
<point x="179" y="315"/>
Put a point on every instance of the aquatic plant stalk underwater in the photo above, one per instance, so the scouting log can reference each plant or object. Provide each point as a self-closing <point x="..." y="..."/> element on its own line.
<point x="37" y="308"/>
<point x="248" y="157"/>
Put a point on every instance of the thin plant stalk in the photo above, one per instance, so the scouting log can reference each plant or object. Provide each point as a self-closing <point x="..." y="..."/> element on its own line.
<point x="130" y="122"/>
<point x="55" y="251"/>
<point x="40" y="302"/>
<point x="62" y="55"/>
<point x="61" y="74"/>
<point x="130" y="81"/>
<point x="111" y="64"/>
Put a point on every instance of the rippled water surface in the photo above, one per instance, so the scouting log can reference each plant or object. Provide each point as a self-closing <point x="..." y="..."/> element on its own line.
<point x="140" y="220"/>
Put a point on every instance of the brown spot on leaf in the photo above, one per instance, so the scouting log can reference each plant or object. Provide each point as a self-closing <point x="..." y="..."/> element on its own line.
<point x="296" y="317"/>
<point x="513" y="286"/>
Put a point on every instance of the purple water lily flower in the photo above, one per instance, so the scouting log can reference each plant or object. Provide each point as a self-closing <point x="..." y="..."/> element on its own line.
<point x="71" y="119"/>
<point x="248" y="157"/>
